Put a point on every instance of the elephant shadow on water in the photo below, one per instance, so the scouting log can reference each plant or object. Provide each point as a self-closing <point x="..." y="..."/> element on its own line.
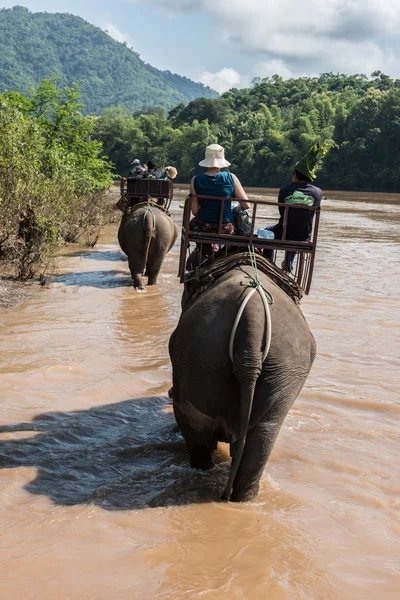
<point x="97" y="279"/>
<point x="100" y="255"/>
<point x="122" y="456"/>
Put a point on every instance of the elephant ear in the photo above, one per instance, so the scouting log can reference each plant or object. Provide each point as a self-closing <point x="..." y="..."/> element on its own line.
<point x="312" y="160"/>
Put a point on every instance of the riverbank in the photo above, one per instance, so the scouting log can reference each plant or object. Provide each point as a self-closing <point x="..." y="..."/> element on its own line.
<point x="14" y="292"/>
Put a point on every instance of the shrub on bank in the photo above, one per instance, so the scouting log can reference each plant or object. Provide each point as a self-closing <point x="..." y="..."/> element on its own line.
<point x="52" y="175"/>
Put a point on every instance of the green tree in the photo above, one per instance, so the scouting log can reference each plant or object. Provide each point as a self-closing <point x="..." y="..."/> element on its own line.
<point x="50" y="171"/>
<point x="266" y="128"/>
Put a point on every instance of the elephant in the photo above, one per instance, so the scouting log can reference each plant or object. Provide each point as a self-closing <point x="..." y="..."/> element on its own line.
<point x="242" y="401"/>
<point x="146" y="234"/>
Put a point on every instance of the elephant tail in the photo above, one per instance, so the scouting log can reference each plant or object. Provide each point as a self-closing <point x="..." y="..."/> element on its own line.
<point x="149" y="226"/>
<point x="246" y="404"/>
<point x="252" y="346"/>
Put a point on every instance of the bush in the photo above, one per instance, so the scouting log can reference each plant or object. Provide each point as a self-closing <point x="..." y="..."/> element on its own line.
<point x="51" y="176"/>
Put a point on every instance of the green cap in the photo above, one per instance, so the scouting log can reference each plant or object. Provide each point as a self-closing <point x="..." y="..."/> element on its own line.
<point x="312" y="160"/>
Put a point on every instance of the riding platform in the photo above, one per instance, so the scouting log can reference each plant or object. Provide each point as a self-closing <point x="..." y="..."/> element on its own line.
<point x="200" y="248"/>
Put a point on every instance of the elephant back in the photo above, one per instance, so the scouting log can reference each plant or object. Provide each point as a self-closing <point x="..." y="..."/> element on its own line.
<point x="202" y="278"/>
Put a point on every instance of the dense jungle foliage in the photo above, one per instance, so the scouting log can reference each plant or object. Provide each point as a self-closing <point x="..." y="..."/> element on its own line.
<point x="51" y="176"/>
<point x="267" y="127"/>
<point x="35" y="46"/>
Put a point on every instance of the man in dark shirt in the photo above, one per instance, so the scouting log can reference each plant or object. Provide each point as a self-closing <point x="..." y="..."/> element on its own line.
<point x="300" y="192"/>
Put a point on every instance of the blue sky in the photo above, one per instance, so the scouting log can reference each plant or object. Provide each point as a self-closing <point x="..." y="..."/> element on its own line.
<point x="226" y="43"/>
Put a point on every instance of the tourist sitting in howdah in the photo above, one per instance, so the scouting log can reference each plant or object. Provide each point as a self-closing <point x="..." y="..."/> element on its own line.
<point x="300" y="192"/>
<point x="137" y="168"/>
<point x="150" y="171"/>
<point x="215" y="182"/>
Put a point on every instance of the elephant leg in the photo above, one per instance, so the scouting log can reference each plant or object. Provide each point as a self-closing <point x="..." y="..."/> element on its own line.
<point x="259" y="443"/>
<point x="138" y="282"/>
<point x="152" y="279"/>
<point x="201" y="457"/>
<point x="137" y="276"/>
<point x="154" y="266"/>
<point x="197" y="431"/>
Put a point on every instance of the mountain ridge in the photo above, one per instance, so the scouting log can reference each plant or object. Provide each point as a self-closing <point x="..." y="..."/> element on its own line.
<point x="35" y="46"/>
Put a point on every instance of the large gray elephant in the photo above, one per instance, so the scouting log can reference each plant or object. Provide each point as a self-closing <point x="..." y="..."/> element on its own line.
<point x="245" y="401"/>
<point x="146" y="234"/>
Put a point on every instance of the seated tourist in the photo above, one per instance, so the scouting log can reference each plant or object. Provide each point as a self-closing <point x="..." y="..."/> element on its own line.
<point x="169" y="173"/>
<point x="300" y="192"/>
<point x="215" y="182"/>
<point x="137" y="168"/>
<point x="152" y="171"/>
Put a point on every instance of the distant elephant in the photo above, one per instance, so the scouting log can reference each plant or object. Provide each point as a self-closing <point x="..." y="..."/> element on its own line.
<point x="243" y="402"/>
<point x="146" y="234"/>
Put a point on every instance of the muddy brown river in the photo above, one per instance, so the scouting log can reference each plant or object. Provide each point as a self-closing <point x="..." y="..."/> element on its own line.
<point x="97" y="501"/>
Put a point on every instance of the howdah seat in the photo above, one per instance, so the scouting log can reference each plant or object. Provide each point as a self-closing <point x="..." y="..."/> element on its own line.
<point x="305" y="250"/>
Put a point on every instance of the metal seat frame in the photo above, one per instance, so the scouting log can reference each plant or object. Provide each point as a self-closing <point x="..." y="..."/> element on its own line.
<point x="305" y="250"/>
<point x="146" y="189"/>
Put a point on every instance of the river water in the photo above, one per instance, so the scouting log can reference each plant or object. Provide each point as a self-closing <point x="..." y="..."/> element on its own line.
<point x="97" y="501"/>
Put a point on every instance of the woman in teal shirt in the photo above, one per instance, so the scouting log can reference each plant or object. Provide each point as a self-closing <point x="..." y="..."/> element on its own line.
<point x="215" y="182"/>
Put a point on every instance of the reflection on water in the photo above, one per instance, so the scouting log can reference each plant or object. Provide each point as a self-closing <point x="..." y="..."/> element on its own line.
<point x="97" y="498"/>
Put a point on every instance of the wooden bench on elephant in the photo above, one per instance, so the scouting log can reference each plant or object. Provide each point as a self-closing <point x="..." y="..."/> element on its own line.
<point x="139" y="190"/>
<point x="223" y="243"/>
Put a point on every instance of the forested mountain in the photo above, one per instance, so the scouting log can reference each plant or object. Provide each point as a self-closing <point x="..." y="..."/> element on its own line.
<point x="35" y="46"/>
<point x="267" y="127"/>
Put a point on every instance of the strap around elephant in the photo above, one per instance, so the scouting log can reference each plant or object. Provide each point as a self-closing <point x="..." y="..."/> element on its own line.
<point x="149" y="210"/>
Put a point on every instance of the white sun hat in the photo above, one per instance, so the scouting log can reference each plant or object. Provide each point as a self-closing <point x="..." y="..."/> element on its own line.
<point x="215" y="157"/>
<point x="135" y="162"/>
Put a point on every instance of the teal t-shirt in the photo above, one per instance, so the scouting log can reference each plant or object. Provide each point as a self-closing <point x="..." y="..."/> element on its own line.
<point x="220" y="185"/>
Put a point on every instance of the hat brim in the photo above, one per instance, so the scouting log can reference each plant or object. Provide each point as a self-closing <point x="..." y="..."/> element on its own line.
<point x="215" y="162"/>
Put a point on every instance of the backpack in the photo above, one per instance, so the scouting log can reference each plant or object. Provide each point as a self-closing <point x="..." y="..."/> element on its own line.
<point x="241" y="220"/>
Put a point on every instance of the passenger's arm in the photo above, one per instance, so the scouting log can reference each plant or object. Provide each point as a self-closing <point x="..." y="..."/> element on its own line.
<point x="195" y="202"/>
<point x="281" y="200"/>
<point x="240" y="193"/>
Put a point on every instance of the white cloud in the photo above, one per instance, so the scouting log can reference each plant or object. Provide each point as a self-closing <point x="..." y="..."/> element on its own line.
<point x="223" y="80"/>
<point x="311" y="36"/>
<point x="275" y="66"/>
<point x="116" y="33"/>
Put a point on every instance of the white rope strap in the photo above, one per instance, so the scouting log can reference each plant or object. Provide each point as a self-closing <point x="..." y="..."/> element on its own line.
<point x="256" y="285"/>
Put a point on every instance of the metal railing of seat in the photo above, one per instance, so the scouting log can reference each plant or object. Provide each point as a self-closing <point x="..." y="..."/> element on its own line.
<point x="136" y="190"/>
<point x="205" y="242"/>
